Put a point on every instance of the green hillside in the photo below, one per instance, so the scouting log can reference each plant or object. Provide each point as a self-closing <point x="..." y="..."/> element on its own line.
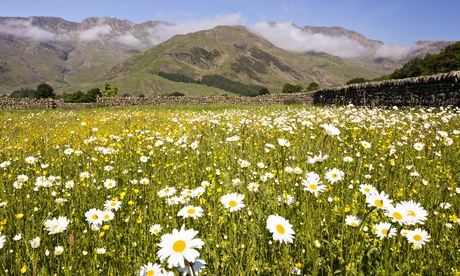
<point x="234" y="53"/>
<point x="445" y="61"/>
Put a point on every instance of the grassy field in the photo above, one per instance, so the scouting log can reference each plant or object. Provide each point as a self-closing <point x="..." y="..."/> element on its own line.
<point x="269" y="191"/>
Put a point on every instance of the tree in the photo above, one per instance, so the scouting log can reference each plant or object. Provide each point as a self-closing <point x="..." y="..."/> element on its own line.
<point x="313" y="86"/>
<point x="23" y="93"/>
<point x="263" y="91"/>
<point x="357" y="80"/>
<point x="109" y="90"/>
<point x="93" y="94"/>
<point x="176" y="94"/>
<point x="44" y="91"/>
<point x="292" y="88"/>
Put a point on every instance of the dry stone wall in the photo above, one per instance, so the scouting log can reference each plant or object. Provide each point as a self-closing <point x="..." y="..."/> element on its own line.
<point x="11" y="103"/>
<point x="435" y="90"/>
<point x="299" y="98"/>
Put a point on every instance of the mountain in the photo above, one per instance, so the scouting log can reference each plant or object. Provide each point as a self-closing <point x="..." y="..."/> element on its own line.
<point x="72" y="56"/>
<point x="237" y="54"/>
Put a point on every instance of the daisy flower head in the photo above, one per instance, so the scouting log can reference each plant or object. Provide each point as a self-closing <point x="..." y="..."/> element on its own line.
<point x="384" y="230"/>
<point x="107" y="216"/>
<point x="180" y="246"/>
<point x="58" y="250"/>
<point x="415" y="212"/>
<point x="112" y="205"/>
<point x="110" y="183"/>
<point x="151" y="270"/>
<point x="419" y="146"/>
<point x="397" y="213"/>
<point x="233" y="201"/>
<point x="352" y="221"/>
<point x="378" y="200"/>
<point x="367" y="189"/>
<point x="313" y="187"/>
<point x="331" y="130"/>
<point x="190" y="212"/>
<point x="155" y="229"/>
<point x="94" y="216"/>
<point x="334" y="175"/>
<point x="56" y="225"/>
<point x="284" y="143"/>
<point x="418" y="237"/>
<point x="280" y="228"/>
<point x="166" y="191"/>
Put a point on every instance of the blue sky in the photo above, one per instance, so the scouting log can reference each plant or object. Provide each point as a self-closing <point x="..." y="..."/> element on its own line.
<point x="392" y="21"/>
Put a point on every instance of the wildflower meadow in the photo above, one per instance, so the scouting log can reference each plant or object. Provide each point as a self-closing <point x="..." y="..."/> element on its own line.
<point x="224" y="190"/>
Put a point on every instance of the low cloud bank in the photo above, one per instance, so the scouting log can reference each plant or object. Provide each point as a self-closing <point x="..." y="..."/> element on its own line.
<point x="25" y="29"/>
<point x="290" y="37"/>
<point x="283" y="35"/>
<point x="165" y="31"/>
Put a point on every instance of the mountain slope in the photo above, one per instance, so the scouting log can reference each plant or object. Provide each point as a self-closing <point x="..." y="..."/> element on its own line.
<point x="237" y="54"/>
<point x="77" y="56"/>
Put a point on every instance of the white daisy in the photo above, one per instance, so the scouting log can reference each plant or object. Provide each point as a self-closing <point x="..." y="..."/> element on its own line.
<point x="352" y="221"/>
<point x="56" y="225"/>
<point x="110" y="183"/>
<point x="94" y="216"/>
<point x="155" y="229"/>
<point x="384" y="230"/>
<point x="415" y="212"/>
<point x="418" y="237"/>
<point x="179" y="246"/>
<point x="378" y="200"/>
<point x="280" y="228"/>
<point x="367" y="189"/>
<point x="397" y="213"/>
<point x="112" y="205"/>
<point x="334" y="175"/>
<point x="190" y="212"/>
<point x="233" y="201"/>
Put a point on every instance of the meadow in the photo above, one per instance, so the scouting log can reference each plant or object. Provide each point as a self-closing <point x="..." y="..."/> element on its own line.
<point x="225" y="190"/>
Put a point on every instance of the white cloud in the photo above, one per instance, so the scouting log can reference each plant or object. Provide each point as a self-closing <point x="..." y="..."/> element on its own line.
<point x="396" y="52"/>
<point x="164" y="31"/>
<point x="129" y="40"/>
<point x="95" y="33"/>
<point x="25" y="29"/>
<point x="289" y="37"/>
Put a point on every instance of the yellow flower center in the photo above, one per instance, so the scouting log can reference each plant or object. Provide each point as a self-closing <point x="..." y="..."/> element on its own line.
<point x="412" y="214"/>
<point x="334" y="175"/>
<point x="280" y="229"/>
<point x="179" y="246"/>
<point x="150" y="273"/>
<point x="397" y="216"/>
<point x="367" y="190"/>
<point x="353" y="224"/>
<point x="232" y="203"/>
<point x="385" y="231"/>
<point x="113" y="203"/>
<point x="191" y="211"/>
<point x="312" y="186"/>
<point x="378" y="203"/>
<point x="417" y="237"/>
<point x="95" y="217"/>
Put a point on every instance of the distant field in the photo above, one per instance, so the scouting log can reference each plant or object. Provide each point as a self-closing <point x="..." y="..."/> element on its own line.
<point x="270" y="191"/>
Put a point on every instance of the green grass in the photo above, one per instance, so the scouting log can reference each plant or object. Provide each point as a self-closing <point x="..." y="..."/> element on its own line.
<point x="235" y="243"/>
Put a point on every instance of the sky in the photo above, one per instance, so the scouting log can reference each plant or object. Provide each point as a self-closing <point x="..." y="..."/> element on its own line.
<point x="399" y="22"/>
